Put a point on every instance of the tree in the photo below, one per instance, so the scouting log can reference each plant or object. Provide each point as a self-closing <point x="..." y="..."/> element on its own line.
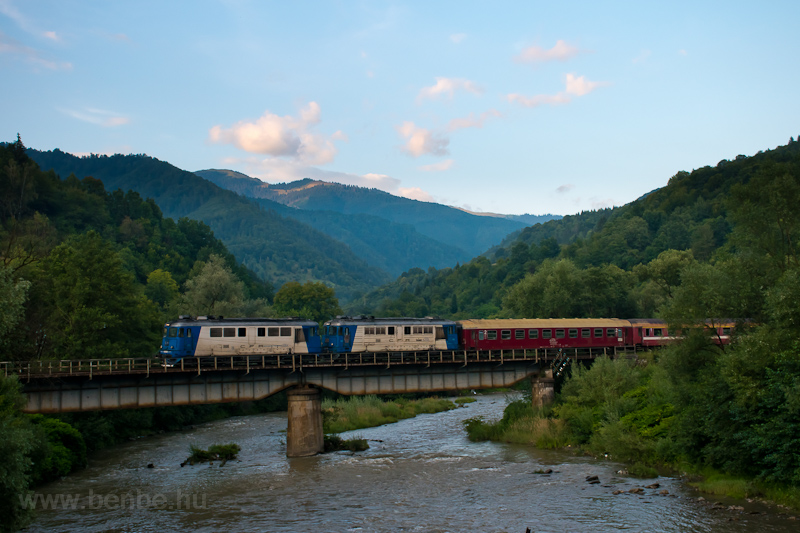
<point x="312" y="300"/>
<point x="214" y="289"/>
<point x="96" y="309"/>
<point x="13" y="294"/>
<point x="161" y="288"/>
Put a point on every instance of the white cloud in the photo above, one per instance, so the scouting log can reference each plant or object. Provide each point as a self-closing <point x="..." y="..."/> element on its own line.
<point x="565" y="188"/>
<point x="683" y="52"/>
<point x="448" y="86"/>
<point x="14" y="48"/>
<point x="598" y="203"/>
<point x="8" y="9"/>
<point x="642" y="57"/>
<point x="437" y="167"/>
<point x="421" y="141"/>
<point x="472" y="121"/>
<point x="99" y="117"/>
<point x="536" y="54"/>
<point x="282" y="137"/>
<point x="415" y="193"/>
<point x="574" y="86"/>
<point x="457" y="38"/>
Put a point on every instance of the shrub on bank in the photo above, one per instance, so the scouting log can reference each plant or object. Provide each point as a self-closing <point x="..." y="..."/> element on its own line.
<point x="357" y="412"/>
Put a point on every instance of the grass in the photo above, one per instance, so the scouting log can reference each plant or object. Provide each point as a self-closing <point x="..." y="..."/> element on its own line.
<point x="464" y="399"/>
<point x="334" y="443"/>
<point x="216" y="452"/>
<point x="358" y="412"/>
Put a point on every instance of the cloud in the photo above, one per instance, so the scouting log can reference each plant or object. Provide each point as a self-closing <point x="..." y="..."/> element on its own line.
<point x="8" y="9"/>
<point x="448" y="86"/>
<point x="281" y="137"/>
<point x="565" y="188"/>
<point x="574" y="86"/>
<point x="642" y="57"/>
<point x="683" y="52"/>
<point x="457" y="38"/>
<point x="437" y="167"/>
<point x="14" y="48"/>
<point x="472" y="121"/>
<point x="536" y="54"/>
<point x="415" y="193"/>
<point x="598" y="203"/>
<point x="421" y="141"/>
<point x="99" y="117"/>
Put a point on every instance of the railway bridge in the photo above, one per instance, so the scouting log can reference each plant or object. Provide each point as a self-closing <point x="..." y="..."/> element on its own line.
<point x="87" y="385"/>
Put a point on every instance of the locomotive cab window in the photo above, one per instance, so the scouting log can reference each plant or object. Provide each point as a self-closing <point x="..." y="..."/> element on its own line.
<point x="188" y="332"/>
<point x="533" y="333"/>
<point x="180" y="332"/>
<point x="173" y="332"/>
<point x="519" y="333"/>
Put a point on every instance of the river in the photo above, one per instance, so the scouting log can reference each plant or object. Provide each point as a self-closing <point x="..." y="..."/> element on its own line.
<point x="419" y="475"/>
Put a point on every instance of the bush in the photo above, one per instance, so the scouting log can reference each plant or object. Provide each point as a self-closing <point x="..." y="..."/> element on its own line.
<point x="216" y="452"/>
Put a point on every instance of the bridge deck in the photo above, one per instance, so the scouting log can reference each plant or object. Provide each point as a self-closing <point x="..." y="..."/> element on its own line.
<point x="27" y="370"/>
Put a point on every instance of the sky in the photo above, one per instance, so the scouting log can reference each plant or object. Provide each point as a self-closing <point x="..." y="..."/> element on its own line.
<point x="505" y="107"/>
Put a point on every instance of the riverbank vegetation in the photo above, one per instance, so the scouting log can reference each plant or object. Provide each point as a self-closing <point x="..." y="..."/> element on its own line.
<point x="215" y="452"/>
<point x="358" y="412"/>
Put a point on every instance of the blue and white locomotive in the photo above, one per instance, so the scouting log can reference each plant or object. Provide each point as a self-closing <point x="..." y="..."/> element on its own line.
<point x="370" y="334"/>
<point x="202" y="336"/>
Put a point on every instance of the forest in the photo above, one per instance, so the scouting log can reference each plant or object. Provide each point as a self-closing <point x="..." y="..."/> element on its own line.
<point x="88" y="272"/>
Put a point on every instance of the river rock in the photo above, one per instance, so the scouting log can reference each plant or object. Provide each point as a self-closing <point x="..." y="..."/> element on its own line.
<point x="653" y="486"/>
<point x="636" y="490"/>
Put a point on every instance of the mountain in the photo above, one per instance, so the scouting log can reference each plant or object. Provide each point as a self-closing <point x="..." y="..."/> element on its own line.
<point x="590" y="252"/>
<point x="469" y="233"/>
<point x="276" y="248"/>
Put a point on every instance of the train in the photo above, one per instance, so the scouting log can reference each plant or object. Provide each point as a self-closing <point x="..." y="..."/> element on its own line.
<point x="209" y="335"/>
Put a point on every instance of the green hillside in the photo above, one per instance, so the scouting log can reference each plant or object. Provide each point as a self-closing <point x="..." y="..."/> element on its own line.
<point x="276" y="248"/>
<point x="596" y="263"/>
<point x="471" y="234"/>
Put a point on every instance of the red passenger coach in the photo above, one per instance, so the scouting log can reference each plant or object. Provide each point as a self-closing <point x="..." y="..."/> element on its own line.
<point x="650" y="332"/>
<point x="529" y="334"/>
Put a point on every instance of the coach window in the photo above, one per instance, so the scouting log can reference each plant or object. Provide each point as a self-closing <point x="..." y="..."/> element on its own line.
<point x="242" y="332"/>
<point x="559" y="334"/>
<point x="480" y="335"/>
<point x="391" y="330"/>
<point x="547" y="333"/>
<point x="657" y="332"/>
<point x="491" y="335"/>
<point x="598" y="332"/>
<point x="611" y="332"/>
<point x="533" y="333"/>
<point x="726" y="331"/>
<point x="228" y="332"/>
<point x="519" y="333"/>
<point x="286" y="332"/>
<point x="573" y="333"/>
<point x="216" y="332"/>
<point x="407" y="330"/>
<point x="505" y="334"/>
<point x="262" y="332"/>
<point x="272" y="332"/>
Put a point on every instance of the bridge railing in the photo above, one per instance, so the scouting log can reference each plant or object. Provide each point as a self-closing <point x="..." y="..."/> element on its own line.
<point x="291" y="362"/>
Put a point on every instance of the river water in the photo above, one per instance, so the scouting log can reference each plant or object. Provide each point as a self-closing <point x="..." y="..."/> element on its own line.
<point x="419" y="475"/>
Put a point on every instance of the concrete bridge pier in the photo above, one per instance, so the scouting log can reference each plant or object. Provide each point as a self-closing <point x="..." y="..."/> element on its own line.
<point x="543" y="388"/>
<point x="304" y="435"/>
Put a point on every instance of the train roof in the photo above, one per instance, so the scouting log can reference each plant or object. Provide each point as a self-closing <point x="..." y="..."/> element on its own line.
<point x="246" y="321"/>
<point x="524" y="323"/>
<point x="381" y="321"/>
